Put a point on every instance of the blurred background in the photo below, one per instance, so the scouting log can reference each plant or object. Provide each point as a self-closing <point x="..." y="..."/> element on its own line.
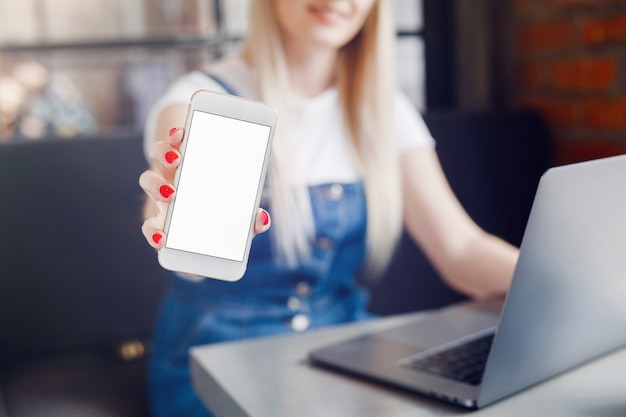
<point x="508" y="88"/>
<point x="70" y="67"/>
<point x="93" y="67"/>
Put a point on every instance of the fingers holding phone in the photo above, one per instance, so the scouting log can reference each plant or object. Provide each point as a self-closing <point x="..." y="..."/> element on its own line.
<point x="157" y="185"/>
<point x="160" y="194"/>
<point x="165" y="154"/>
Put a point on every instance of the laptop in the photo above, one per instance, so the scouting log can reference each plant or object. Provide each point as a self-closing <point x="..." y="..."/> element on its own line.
<point x="566" y="304"/>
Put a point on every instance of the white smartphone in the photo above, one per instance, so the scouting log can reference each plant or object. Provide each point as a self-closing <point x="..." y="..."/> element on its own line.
<point x="225" y="153"/>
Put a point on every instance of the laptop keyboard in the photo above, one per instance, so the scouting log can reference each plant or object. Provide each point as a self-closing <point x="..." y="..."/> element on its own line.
<point x="463" y="363"/>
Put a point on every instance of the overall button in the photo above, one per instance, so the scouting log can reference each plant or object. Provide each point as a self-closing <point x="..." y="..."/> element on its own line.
<point x="335" y="191"/>
<point x="300" y="322"/>
<point x="294" y="303"/>
<point x="303" y="288"/>
<point x="323" y="243"/>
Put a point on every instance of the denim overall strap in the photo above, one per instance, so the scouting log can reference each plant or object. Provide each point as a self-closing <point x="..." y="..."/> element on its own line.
<point x="227" y="88"/>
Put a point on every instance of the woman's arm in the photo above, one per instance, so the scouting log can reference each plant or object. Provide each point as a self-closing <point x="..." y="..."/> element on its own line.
<point x="469" y="259"/>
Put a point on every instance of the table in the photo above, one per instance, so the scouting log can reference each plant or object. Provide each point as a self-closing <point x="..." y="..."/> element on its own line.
<point x="271" y="377"/>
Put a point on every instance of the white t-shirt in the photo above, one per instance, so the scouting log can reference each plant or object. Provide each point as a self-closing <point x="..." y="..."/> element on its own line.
<point x="322" y="146"/>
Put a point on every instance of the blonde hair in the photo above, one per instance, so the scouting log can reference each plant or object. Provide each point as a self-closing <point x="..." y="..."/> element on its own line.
<point x="366" y="87"/>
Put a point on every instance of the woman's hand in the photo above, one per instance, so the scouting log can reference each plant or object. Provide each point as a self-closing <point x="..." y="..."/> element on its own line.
<point x="157" y="183"/>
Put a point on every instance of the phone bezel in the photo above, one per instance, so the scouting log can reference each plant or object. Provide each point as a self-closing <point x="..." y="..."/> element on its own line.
<point x="233" y="107"/>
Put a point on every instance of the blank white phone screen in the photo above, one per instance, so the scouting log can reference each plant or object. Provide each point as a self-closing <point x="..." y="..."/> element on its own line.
<point x="217" y="188"/>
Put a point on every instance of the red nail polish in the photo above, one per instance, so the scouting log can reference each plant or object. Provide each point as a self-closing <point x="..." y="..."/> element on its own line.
<point x="173" y="130"/>
<point x="171" y="156"/>
<point x="265" y="218"/>
<point x="157" y="237"/>
<point x="166" y="191"/>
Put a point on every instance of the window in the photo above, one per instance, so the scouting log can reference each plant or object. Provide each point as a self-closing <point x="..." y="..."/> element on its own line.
<point x="410" y="50"/>
<point x="96" y="67"/>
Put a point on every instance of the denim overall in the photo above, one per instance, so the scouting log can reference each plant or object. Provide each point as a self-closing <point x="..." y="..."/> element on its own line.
<point x="269" y="299"/>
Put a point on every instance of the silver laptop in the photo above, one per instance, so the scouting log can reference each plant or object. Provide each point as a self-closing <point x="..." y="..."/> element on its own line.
<point x="566" y="304"/>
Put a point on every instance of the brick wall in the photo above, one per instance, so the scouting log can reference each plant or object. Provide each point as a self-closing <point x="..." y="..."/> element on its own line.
<point x="568" y="59"/>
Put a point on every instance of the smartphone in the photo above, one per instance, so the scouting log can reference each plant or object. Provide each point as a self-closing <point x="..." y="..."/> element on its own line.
<point x="225" y="153"/>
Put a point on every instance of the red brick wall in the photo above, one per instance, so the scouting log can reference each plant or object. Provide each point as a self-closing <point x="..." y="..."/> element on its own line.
<point x="568" y="59"/>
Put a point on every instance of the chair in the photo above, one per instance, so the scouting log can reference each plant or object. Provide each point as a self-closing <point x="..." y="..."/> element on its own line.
<point x="493" y="161"/>
<point x="80" y="287"/>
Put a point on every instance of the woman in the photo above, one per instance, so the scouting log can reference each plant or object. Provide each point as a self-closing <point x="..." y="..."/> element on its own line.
<point x="352" y="163"/>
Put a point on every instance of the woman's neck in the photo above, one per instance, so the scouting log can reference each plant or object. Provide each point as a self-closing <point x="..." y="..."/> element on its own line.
<point x="312" y="70"/>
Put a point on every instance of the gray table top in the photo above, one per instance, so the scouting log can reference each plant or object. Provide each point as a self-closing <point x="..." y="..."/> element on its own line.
<point x="271" y="377"/>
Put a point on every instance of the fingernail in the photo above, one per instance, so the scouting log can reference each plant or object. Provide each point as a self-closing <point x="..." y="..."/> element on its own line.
<point x="171" y="156"/>
<point x="166" y="191"/>
<point x="156" y="238"/>
<point x="173" y="130"/>
<point x="265" y="218"/>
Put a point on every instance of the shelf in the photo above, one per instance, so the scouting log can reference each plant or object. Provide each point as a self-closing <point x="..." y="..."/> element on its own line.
<point x="155" y="42"/>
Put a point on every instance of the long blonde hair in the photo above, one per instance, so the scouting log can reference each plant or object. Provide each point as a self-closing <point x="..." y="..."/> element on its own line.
<point x="366" y="87"/>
